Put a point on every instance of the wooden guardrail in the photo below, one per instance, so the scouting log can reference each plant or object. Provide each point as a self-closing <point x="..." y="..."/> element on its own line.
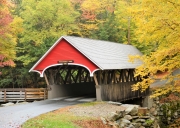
<point x="22" y="94"/>
<point x="121" y="92"/>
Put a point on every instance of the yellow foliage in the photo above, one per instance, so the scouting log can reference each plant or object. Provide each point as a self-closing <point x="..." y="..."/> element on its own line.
<point x="16" y="26"/>
<point x="158" y="24"/>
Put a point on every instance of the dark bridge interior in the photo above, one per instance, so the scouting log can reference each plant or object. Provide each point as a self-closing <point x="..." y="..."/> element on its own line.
<point x="69" y="80"/>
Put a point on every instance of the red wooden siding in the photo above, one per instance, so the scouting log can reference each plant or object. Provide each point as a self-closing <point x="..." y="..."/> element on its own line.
<point x="64" y="51"/>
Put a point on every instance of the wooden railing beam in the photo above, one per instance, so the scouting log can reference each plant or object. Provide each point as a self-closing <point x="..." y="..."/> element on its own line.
<point x="21" y="94"/>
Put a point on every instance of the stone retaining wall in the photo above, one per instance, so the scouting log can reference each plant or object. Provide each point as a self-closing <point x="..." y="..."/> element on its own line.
<point x="133" y="117"/>
<point x="142" y="117"/>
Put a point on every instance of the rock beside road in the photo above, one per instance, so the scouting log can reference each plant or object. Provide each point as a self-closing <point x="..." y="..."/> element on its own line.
<point x="7" y="104"/>
<point x="11" y="104"/>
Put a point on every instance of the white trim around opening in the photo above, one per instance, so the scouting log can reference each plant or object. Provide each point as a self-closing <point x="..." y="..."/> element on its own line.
<point x="42" y="73"/>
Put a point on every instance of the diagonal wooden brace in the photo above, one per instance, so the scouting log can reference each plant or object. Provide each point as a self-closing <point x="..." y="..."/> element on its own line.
<point x="47" y="82"/>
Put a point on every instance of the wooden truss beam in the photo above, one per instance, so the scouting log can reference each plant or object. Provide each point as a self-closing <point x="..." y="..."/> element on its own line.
<point x="116" y="76"/>
<point x="68" y="74"/>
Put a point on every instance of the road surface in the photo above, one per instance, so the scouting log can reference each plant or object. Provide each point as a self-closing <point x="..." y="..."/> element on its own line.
<point x="14" y="116"/>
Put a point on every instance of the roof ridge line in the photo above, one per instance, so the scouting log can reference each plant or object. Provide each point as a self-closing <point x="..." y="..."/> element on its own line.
<point x="99" y="40"/>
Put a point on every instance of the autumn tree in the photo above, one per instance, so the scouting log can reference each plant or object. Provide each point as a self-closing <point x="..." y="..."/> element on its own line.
<point x="5" y="37"/>
<point x="9" y="28"/>
<point x="158" y="25"/>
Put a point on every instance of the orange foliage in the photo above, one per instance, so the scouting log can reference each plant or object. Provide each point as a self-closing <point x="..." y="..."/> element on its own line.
<point x="88" y="15"/>
<point x="170" y="98"/>
<point x="4" y="62"/>
<point x="5" y="17"/>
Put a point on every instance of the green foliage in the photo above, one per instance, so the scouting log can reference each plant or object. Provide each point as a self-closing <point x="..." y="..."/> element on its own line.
<point x="5" y="82"/>
<point x="168" y="110"/>
<point x="149" y="122"/>
<point x="44" y="22"/>
<point x="19" y="77"/>
<point x="110" y="30"/>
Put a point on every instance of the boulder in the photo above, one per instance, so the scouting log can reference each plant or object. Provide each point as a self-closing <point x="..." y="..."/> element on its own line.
<point x="175" y="114"/>
<point x="135" y="117"/>
<point x="115" y="103"/>
<point x="144" y="117"/>
<point x="139" y="120"/>
<point x="7" y="104"/>
<point x="134" y="111"/>
<point x="123" y="123"/>
<point x="141" y="127"/>
<point x="136" y="125"/>
<point x="114" y="116"/>
<point x="155" y="113"/>
<point x="129" y="107"/>
<point x="130" y="126"/>
<point x="121" y="113"/>
<point x="128" y="117"/>
<point x="152" y="109"/>
<point x="104" y="120"/>
<point x="142" y="111"/>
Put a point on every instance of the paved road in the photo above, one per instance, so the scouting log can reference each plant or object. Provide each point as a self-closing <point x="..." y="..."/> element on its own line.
<point x="14" y="116"/>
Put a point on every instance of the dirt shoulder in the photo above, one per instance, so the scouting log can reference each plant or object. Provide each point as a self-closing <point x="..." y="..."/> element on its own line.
<point x="99" y="109"/>
<point x="94" y="110"/>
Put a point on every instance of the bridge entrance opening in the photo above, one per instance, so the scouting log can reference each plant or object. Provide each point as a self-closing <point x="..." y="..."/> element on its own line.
<point x="69" y="80"/>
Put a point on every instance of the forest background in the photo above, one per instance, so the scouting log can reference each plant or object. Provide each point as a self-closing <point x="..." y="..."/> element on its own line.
<point x="29" y="27"/>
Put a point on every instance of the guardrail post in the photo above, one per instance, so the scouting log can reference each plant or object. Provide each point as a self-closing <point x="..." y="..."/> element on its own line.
<point x="25" y="94"/>
<point x="4" y="95"/>
<point x="44" y="94"/>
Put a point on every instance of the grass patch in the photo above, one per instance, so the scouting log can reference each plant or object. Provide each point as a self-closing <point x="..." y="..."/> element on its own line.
<point x="58" y="119"/>
<point x="53" y="120"/>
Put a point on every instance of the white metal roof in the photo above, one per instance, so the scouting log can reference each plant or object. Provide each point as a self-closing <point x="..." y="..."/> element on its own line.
<point x="105" y="54"/>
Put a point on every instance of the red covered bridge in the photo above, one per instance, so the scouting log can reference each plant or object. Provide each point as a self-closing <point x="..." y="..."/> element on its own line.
<point x="81" y="66"/>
